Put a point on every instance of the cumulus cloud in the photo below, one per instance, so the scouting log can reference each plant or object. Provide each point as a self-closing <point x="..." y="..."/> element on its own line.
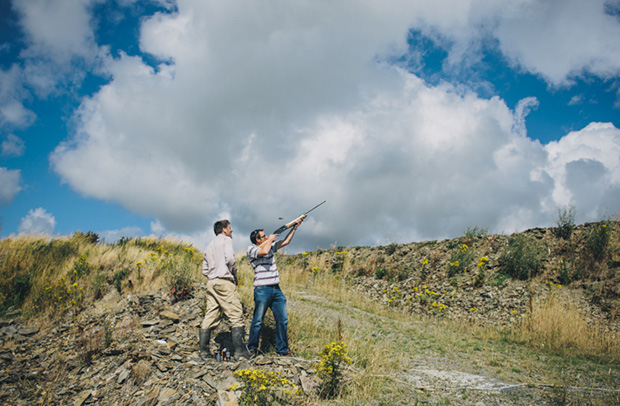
<point x="37" y="221"/>
<point x="260" y="111"/>
<point x="57" y="38"/>
<point x="558" y="40"/>
<point x="585" y="165"/>
<point x="10" y="180"/>
<point x="561" y="39"/>
<point x="12" y="146"/>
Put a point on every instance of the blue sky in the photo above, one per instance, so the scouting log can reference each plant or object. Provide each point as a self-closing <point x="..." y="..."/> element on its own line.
<point x="414" y="121"/>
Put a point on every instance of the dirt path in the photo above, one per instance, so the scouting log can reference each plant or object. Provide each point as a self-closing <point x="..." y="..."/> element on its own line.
<point x="439" y="367"/>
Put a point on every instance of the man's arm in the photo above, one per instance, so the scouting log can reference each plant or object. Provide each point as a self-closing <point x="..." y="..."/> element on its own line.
<point x="229" y="257"/>
<point x="265" y="246"/>
<point x="289" y="236"/>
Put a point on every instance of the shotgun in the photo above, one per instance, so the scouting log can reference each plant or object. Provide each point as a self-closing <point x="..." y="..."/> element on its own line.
<point x="289" y="225"/>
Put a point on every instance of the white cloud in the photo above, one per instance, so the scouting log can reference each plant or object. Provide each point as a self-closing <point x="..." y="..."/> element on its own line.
<point x="585" y="165"/>
<point x="262" y="110"/>
<point x="14" y="113"/>
<point x="575" y="100"/>
<point x="10" y="180"/>
<point x="555" y="39"/>
<point x="559" y="39"/>
<point x="59" y="30"/>
<point x="12" y="146"/>
<point x="37" y="221"/>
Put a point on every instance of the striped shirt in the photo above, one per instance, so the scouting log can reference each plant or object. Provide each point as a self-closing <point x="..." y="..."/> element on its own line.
<point x="265" y="269"/>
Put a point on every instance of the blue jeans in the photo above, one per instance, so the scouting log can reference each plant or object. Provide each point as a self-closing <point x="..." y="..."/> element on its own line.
<point x="269" y="297"/>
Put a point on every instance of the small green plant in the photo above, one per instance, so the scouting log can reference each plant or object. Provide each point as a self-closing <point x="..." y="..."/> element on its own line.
<point x="380" y="273"/>
<point x="424" y="296"/>
<point x="315" y="271"/>
<point x="565" y="222"/>
<point x="475" y="231"/>
<point x="338" y="261"/>
<point x="264" y="388"/>
<point x="565" y="273"/>
<point x="19" y="288"/>
<point x="424" y="270"/>
<point x="393" y="295"/>
<point x="81" y="267"/>
<point x="119" y="277"/>
<point x="329" y="368"/>
<point x="481" y="275"/>
<point x="598" y="240"/>
<point x="521" y="259"/>
<point x="99" y="285"/>
<point x="460" y="258"/>
<point x="403" y="273"/>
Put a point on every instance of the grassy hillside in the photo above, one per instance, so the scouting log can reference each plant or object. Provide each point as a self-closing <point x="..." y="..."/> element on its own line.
<point x="538" y="308"/>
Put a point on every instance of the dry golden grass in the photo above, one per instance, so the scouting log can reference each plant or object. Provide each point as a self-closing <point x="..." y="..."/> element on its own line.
<point x="557" y="323"/>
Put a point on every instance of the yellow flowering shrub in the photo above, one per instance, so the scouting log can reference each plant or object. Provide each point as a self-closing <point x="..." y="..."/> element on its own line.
<point x="263" y="387"/>
<point x="329" y="368"/>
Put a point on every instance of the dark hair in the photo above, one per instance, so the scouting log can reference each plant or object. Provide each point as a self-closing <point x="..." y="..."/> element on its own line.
<point x="254" y="235"/>
<point x="219" y="226"/>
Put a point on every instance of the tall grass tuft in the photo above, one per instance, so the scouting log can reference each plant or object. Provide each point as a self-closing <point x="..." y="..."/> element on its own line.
<point x="558" y="325"/>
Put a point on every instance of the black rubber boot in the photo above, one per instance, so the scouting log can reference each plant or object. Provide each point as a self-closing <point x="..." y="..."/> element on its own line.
<point x="205" y="338"/>
<point x="238" y="338"/>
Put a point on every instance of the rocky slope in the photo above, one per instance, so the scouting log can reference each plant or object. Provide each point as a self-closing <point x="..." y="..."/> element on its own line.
<point x="417" y="277"/>
<point x="143" y="350"/>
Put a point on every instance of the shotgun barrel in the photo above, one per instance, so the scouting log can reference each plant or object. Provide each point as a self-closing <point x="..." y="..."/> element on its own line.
<point x="290" y="224"/>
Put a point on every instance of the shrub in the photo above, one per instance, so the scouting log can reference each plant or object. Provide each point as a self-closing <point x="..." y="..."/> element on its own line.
<point x="119" y="277"/>
<point x="263" y="388"/>
<point x="475" y="231"/>
<point x="565" y="273"/>
<point x="393" y="295"/>
<point x="179" y="276"/>
<point x="81" y="267"/>
<point x="459" y="259"/>
<point x="338" y="261"/>
<point x="380" y="273"/>
<point x="521" y="259"/>
<point x="565" y="222"/>
<point x="89" y="237"/>
<point x="15" y="291"/>
<point x="598" y="240"/>
<point x="329" y="368"/>
<point x="481" y="275"/>
<point x="391" y="249"/>
<point x="424" y="270"/>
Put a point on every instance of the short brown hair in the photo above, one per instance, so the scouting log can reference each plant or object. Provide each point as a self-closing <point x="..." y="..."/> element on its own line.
<point x="219" y="226"/>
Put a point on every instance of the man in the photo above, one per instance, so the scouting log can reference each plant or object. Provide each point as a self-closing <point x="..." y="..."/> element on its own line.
<point x="220" y="268"/>
<point x="267" y="293"/>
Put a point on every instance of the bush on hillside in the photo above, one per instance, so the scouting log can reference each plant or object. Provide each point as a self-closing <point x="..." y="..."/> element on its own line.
<point x="521" y="258"/>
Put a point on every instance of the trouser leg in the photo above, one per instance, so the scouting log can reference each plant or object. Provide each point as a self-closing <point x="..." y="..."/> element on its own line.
<point x="213" y="310"/>
<point x="280" y="314"/>
<point x="262" y="300"/>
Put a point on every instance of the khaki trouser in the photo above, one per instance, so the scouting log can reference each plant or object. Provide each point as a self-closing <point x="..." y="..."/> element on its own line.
<point x="222" y="297"/>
